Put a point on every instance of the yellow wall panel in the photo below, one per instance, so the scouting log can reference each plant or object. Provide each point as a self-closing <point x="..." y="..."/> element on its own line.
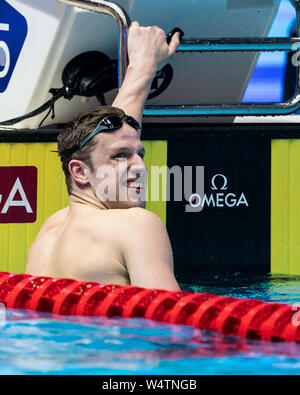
<point x="15" y="239"/>
<point x="156" y="155"/>
<point x="285" y="207"/>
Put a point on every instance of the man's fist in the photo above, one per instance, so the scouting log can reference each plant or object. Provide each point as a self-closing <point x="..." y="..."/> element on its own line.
<point x="148" y="47"/>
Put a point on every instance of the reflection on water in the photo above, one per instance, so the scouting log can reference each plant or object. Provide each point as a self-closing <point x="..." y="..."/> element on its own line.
<point x="278" y="288"/>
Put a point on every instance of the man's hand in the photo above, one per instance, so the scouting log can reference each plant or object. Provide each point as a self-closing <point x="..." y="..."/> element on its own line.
<point x="148" y="47"/>
<point x="148" y="51"/>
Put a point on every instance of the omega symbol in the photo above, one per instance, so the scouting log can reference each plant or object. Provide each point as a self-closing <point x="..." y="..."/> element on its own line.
<point x="213" y="182"/>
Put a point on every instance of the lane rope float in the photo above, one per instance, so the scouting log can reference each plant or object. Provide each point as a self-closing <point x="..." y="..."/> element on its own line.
<point x="248" y="318"/>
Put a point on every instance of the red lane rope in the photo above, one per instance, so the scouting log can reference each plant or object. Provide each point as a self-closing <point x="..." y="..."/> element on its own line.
<point x="37" y="295"/>
<point x="13" y="295"/>
<point x="268" y="327"/>
<point x="112" y="305"/>
<point x="183" y="310"/>
<point x="291" y="333"/>
<point x="229" y="319"/>
<point x="249" y="318"/>
<point x="206" y="314"/>
<point x="62" y="296"/>
<point x="161" y="305"/>
<point x="137" y="305"/>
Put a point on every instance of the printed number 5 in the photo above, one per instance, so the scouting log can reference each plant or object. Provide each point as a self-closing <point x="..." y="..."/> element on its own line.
<point x="4" y="47"/>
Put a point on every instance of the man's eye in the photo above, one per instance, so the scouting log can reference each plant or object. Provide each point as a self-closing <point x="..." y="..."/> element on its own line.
<point x="121" y="155"/>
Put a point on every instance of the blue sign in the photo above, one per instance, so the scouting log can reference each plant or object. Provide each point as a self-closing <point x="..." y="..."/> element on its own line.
<point x="13" y="32"/>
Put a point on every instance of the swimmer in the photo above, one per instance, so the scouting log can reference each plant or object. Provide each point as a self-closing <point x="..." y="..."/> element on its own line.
<point x="97" y="237"/>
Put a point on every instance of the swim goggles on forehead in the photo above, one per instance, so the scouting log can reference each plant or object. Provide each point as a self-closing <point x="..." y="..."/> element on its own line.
<point x="108" y="124"/>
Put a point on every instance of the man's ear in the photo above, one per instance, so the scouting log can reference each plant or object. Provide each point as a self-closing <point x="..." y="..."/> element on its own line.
<point x="79" y="172"/>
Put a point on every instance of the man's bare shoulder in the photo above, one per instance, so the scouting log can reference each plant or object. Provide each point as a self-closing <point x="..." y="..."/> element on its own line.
<point x="147" y="251"/>
<point x="136" y="213"/>
<point x="127" y="222"/>
<point x="141" y="215"/>
<point x="53" y="221"/>
<point x="38" y="248"/>
<point x="140" y="224"/>
<point x="137" y="216"/>
<point x="56" y="218"/>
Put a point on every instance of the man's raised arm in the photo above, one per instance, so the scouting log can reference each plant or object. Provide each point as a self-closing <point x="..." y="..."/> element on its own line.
<point x="147" y="51"/>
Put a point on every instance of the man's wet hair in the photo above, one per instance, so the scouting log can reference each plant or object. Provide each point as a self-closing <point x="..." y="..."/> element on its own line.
<point x="76" y="131"/>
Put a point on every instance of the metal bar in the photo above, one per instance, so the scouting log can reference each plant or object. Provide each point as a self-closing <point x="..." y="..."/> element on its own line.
<point x="297" y="7"/>
<point x="241" y="109"/>
<point x="116" y="11"/>
<point x="204" y="45"/>
<point x="239" y="44"/>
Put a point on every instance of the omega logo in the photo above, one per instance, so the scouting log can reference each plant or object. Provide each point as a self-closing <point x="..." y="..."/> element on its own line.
<point x="219" y="182"/>
<point x="224" y="187"/>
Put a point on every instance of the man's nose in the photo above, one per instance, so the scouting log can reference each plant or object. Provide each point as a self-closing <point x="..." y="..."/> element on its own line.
<point x="138" y="166"/>
<point x="138" y="162"/>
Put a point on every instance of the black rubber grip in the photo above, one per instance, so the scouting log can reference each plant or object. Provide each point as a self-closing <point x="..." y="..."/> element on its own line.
<point x="171" y="34"/>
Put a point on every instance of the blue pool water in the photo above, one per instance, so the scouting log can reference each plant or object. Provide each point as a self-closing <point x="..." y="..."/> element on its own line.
<point x="37" y="343"/>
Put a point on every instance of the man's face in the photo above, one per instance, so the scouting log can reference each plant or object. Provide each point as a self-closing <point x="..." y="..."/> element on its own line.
<point x="120" y="176"/>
